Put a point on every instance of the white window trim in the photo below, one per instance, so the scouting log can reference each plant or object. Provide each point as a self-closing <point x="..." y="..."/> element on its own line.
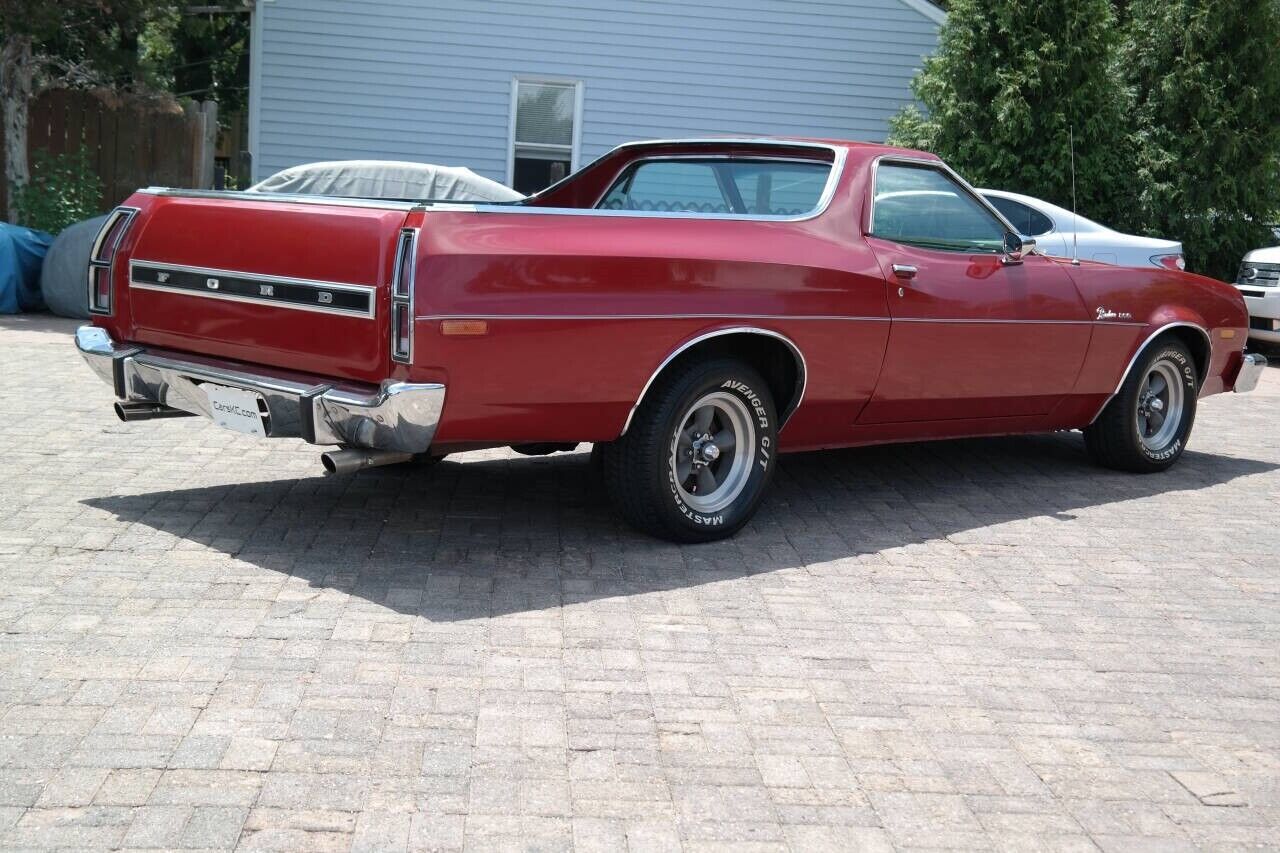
<point x="929" y="10"/>
<point x="256" y="29"/>
<point x="576" y="142"/>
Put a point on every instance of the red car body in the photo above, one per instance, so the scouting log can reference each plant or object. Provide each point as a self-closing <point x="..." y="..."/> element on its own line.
<point x="579" y="308"/>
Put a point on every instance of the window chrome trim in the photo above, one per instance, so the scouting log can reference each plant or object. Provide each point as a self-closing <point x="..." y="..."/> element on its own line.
<point x="839" y="154"/>
<point x="370" y="292"/>
<point x="921" y="162"/>
<point x="1208" y="339"/>
<point x="724" y="158"/>
<point x="802" y="368"/>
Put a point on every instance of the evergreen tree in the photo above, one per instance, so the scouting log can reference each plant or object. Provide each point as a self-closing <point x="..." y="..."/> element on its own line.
<point x="1008" y="81"/>
<point x="1207" y="83"/>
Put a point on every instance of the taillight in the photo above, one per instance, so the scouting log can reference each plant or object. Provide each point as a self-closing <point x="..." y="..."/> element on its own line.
<point x="402" y="296"/>
<point x="102" y="256"/>
<point x="1170" y="262"/>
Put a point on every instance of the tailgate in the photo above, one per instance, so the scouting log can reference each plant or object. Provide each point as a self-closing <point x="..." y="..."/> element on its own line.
<point x="299" y="285"/>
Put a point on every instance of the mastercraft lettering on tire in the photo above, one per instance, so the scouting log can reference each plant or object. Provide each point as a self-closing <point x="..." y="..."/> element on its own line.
<point x="820" y="299"/>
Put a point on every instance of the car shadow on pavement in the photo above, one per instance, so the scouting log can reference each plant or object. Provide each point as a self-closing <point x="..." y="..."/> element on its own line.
<point x="488" y="537"/>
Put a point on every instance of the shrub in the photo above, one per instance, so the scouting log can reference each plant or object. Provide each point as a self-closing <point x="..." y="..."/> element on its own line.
<point x="63" y="190"/>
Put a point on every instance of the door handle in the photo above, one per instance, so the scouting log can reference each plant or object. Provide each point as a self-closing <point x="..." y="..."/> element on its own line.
<point x="904" y="271"/>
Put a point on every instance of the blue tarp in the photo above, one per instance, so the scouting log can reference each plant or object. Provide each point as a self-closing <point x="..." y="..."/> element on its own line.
<point x="21" y="256"/>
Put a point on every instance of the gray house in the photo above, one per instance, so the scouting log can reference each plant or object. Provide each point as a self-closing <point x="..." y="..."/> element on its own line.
<point x="524" y="92"/>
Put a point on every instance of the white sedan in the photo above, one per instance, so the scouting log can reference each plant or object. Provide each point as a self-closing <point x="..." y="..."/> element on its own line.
<point x="1259" y="284"/>
<point x="1053" y="228"/>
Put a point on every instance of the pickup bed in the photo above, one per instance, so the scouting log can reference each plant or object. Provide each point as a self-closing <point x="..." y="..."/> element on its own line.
<point x="692" y="308"/>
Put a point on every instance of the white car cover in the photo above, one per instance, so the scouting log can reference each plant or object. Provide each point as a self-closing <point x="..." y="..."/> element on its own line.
<point x="386" y="179"/>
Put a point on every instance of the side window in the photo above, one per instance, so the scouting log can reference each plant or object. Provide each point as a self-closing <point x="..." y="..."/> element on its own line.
<point x="667" y="186"/>
<point x="758" y="187"/>
<point x="773" y="188"/>
<point x="1028" y="221"/>
<point x="924" y="207"/>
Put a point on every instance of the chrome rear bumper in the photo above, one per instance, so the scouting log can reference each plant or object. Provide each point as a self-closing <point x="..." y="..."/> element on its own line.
<point x="1251" y="367"/>
<point x="399" y="416"/>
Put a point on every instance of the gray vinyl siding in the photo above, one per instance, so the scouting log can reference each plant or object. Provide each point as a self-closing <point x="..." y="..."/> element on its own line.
<point x="431" y="81"/>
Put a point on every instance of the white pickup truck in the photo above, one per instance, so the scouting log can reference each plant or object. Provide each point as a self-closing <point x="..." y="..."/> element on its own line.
<point x="1259" y="282"/>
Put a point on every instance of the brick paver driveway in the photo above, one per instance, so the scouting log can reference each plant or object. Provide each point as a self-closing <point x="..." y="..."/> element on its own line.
<point x="205" y="643"/>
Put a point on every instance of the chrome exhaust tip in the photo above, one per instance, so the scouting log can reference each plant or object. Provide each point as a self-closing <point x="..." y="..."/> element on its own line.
<point x="348" y="460"/>
<point x="147" y="411"/>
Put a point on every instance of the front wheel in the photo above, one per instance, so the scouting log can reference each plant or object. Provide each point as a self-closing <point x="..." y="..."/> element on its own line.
<point x="701" y="448"/>
<point x="1145" y="426"/>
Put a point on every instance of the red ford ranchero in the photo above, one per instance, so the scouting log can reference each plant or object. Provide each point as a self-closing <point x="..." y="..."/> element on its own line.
<point x="692" y="307"/>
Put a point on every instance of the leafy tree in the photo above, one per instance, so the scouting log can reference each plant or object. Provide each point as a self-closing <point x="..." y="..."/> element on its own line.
<point x="1008" y="82"/>
<point x="62" y="41"/>
<point x="201" y="55"/>
<point x="1208" y="105"/>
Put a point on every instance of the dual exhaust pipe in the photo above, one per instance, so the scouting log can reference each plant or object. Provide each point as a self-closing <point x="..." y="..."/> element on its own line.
<point x="147" y="411"/>
<point x="348" y="460"/>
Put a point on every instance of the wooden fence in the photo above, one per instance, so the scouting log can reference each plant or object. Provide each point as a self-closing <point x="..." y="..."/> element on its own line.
<point x="132" y="141"/>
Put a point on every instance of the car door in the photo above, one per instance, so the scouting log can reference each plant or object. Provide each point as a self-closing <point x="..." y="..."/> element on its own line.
<point x="973" y="335"/>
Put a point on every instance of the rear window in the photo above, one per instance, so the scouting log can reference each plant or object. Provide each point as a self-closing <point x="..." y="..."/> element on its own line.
<point x="1029" y="222"/>
<point x="757" y="187"/>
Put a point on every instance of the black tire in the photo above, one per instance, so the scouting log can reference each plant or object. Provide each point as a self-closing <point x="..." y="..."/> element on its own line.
<point x="642" y="474"/>
<point x="428" y="460"/>
<point x="1123" y="438"/>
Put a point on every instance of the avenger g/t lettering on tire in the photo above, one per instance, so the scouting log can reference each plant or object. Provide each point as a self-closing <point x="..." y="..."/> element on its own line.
<point x="701" y="450"/>
<point x="1145" y="426"/>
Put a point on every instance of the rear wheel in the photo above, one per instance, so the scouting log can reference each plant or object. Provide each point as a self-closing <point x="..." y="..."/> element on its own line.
<point x="1145" y="426"/>
<point x="694" y="465"/>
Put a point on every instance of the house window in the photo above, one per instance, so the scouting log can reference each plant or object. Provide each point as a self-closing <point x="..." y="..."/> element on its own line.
<point x="545" y="120"/>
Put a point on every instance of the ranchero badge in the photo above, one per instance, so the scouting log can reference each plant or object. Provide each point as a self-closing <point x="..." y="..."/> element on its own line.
<point x="1106" y="314"/>
<point x="162" y="277"/>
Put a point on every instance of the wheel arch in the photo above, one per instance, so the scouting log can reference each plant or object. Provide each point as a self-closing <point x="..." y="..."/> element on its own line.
<point x="1193" y="335"/>
<point x="777" y="358"/>
<point x="1197" y="340"/>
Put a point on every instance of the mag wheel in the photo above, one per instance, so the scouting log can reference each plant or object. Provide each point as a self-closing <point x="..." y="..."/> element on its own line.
<point x="1145" y="426"/>
<point x="695" y="462"/>
<point x="708" y="467"/>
